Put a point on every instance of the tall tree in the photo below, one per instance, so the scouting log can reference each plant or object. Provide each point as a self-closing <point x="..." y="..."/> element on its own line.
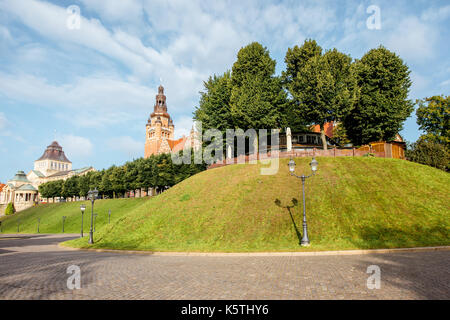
<point x="322" y="87"/>
<point x="433" y="116"/>
<point x="258" y="100"/>
<point x="382" y="105"/>
<point x="214" y="109"/>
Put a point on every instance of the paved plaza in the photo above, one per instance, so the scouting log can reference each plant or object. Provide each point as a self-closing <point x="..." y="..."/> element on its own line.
<point x="34" y="267"/>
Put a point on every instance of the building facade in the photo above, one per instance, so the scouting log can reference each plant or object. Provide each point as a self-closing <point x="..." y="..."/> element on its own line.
<point x="22" y="189"/>
<point x="160" y="130"/>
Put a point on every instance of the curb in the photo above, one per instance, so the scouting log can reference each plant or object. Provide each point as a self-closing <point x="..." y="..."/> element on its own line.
<point x="264" y="254"/>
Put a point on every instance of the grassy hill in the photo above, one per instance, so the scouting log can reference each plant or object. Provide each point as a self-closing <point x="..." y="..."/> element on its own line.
<point x="51" y="216"/>
<point x="351" y="203"/>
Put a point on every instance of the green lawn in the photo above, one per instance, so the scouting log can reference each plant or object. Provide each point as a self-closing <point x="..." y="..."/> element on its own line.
<point x="51" y="216"/>
<point x="351" y="203"/>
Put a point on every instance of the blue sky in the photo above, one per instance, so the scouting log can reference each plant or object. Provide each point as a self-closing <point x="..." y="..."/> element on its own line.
<point x="93" y="88"/>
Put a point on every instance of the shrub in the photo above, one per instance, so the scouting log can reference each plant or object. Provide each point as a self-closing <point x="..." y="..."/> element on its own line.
<point x="430" y="153"/>
<point x="10" y="209"/>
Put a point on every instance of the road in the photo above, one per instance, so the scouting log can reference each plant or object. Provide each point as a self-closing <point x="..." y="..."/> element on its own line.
<point x="34" y="267"/>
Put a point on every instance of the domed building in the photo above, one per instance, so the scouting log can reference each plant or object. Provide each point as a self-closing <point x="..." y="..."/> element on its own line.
<point x="22" y="189"/>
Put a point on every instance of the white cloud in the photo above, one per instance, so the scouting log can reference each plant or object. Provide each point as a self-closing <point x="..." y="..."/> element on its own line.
<point x="127" y="145"/>
<point x="413" y="39"/>
<point x="183" y="126"/>
<point x="436" y="14"/>
<point x="445" y="83"/>
<point x="5" y="129"/>
<point x="116" y="10"/>
<point x="4" y="33"/>
<point x="75" y="147"/>
<point x="2" y="121"/>
<point x="88" y="102"/>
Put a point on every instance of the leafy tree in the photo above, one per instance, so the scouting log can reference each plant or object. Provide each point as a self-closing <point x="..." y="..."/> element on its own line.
<point x="322" y="86"/>
<point x="258" y="100"/>
<point x="340" y="135"/>
<point x="10" y="209"/>
<point x="214" y="109"/>
<point x="429" y="153"/>
<point x="382" y="104"/>
<point x="433" y="116"/>
<point x="105" y="184"/>
<point x="118" y="180"/>
<point x="296" y="58"/>
<point x="83" y="184"/>
<point x="158" y="171"/>
<point x="71" y="187"/>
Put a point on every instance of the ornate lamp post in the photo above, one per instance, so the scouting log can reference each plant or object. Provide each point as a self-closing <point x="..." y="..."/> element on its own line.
<point x="82" y="208"/>
<point x="63" y="220"/>
<point x="92" y="195"/>
<point x="95" y="220"/>
<point x="313" y="164"/>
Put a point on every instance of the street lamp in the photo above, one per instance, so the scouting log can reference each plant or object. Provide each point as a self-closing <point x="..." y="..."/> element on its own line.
<point x="95" y="220"/>
<point x="39" y="222"/>
<point x="83" y="208"/>
<point x="92" y="195"/>
<point x="109" y="216"/>
<point x="313" y="164"/>
<point x="63" y="219"/>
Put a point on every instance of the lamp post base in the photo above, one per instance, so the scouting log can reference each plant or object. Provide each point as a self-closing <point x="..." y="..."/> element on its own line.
<point x="305" y="244"/>
<point x="91" y="238"/>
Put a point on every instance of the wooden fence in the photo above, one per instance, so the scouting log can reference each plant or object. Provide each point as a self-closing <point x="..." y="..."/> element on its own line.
<point x="378" y="149"/>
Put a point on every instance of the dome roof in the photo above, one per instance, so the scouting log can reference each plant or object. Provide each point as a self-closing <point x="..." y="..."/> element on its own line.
<point x="54" y="152"/>
<point x="20" y="176"/>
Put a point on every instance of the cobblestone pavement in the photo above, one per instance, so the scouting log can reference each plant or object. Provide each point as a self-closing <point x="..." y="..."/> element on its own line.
<point x="33" y="267"/>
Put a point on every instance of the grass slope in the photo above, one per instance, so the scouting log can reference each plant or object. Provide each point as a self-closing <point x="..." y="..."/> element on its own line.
<point x="351" y="203"/>
<point x="51" y="216"/>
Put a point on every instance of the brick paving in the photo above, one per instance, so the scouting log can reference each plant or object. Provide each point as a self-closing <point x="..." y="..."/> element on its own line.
<point x="34" y="267"/>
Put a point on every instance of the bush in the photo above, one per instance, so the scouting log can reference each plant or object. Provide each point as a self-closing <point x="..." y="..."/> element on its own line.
<point x="430" y="153"/>
<point x="10" y="209"/>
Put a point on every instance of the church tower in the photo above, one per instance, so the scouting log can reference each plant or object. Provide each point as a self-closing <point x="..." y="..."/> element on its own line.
<point x="159" y="128"/>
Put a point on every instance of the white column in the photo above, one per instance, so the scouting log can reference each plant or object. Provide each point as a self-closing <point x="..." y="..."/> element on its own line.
<point x="288" y="139"/>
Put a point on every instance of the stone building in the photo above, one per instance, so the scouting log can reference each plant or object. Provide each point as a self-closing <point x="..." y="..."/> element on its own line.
<point x="19" y="191"/>
<point x="22" y="189"/>
<point x="160" y="130"/>
<point x="53" y="165"/>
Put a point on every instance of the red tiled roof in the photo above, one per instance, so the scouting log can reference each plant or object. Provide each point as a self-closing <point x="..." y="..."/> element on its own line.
<point x="177" y="145"/>
<point x="328" y="129"/>
<point x="1" y="186"/>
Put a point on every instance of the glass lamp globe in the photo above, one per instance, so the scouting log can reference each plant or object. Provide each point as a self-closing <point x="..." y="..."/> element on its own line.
<point x="314" y="165"/>
<point x="291" y="165"/>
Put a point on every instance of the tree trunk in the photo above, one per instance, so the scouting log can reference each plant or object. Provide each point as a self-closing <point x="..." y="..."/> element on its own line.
<point x="322" y="135"/>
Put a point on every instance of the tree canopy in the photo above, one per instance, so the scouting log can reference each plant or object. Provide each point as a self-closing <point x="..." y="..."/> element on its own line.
<point x="157" y="171"/>
<point x="433" y="116"/>
<point x="322" y="86"/>
<point x="382" y="104"/>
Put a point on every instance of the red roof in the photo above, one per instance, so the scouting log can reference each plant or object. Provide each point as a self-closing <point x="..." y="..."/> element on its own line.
<point x="328" y="129"/>
<point x="177" y="145"/>
<point x="1" y="186"/>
